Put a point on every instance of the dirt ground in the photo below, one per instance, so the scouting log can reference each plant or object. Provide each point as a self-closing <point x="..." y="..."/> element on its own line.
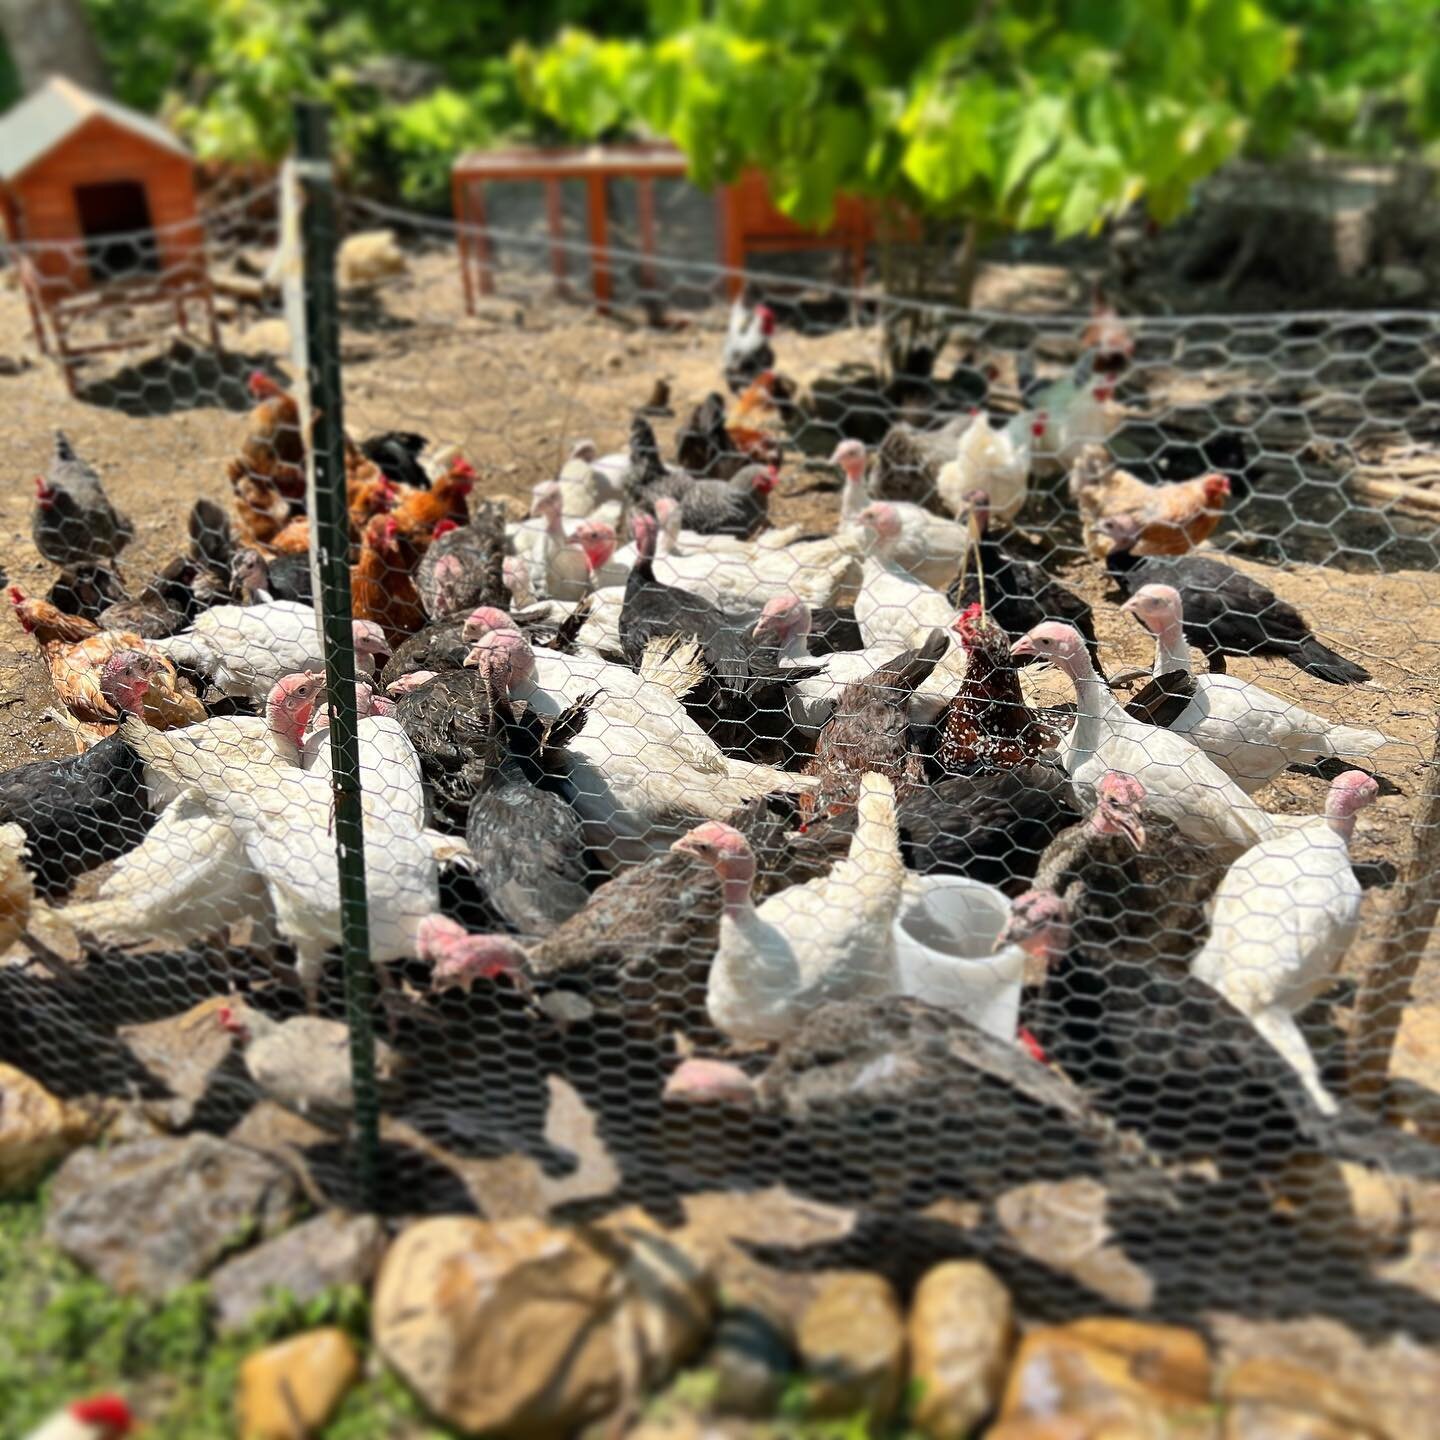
<point x="518" y="382"/>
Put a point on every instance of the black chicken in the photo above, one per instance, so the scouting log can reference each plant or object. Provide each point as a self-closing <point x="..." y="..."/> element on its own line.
<point x="74" y="523"/>
<point x="77" y="812"/>
<point x="1226" y="612"/>
<point x="1018" y="594"/>
<point x="397" y="454"/>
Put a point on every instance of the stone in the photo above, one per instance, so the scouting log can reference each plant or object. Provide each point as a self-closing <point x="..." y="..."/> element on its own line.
<point x="266" y="337"/>
<point x="330" y="1250"/>
<point x="369" y="257"/>
<point x="518" y="1327"/>
<point x="851" y="1341"/>
<point x="184" y="1051"/>
<point x="289" y="1391"/>
<point x="151" y="1215"/>
<point x="1124" y="1374"/>
<point x="751" y="1360"/>
<point x="1064" y="1226"/>
<point x="961" y="1332"/>
<point x="36" y="1129"/>
<point x="1272" y="1399"/>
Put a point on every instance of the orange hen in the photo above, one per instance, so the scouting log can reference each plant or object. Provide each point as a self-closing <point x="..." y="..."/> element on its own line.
<point x="418" y="512"/>
<point x="382" y="586"/>
<point x="1173" y="518"/>
<point x="273" y="448"/>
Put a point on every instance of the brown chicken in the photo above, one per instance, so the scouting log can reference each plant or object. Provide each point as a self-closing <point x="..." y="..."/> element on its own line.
<point x="76" y="653"/>
<point x="261" y="511"/>
<point x="1108" y="336"/>
<point x="987" y="722"/>
<point x="382" y="584"/>
<point x="870" y="730"/>
<point x="1173" y="518"/>
<point x="368" y="490"/>
<point x="273" y="448"/>
<point x="758" y="421"/>
<point x="418" y="512"/>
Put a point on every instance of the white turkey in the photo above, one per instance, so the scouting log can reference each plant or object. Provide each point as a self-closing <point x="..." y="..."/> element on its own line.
<point x="930" y="547"/>
<point x="829" y="939"/>
<point x="1182" y="784"/>
<point x="244" y="650"/>
<point x="1250" y="734"/>
<point x="1284" y="916"/>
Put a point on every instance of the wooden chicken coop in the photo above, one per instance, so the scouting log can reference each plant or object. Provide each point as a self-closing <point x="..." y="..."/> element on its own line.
<point x="748" y="218"/>
<point x="99" y="202"/>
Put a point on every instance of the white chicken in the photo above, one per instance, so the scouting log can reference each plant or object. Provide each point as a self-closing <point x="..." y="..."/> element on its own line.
<point x="996" y="459"/>
<point x="101" y="1417"/>
<point x="1182" y="784"/>
<point x="892" y="607"/>
<point x="829" y="939"/>
<point x="930" y="547"/>
<point x="245" y="650"/>
<point x="642" y="769"/>
<point x="1249" y="733"/>
<point x="590" y="490"/>
<point x="1077" y="411"/>
<point x="1284" y="916"/>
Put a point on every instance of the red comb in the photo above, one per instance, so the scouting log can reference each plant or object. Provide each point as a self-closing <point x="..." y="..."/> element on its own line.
<point x="1031" y="1046"/>
<point x="462" y="469"/>
<point x="17" y="595"/>
<point x="108" y="1411"/>
<point x="443" y="527"/>
<point x="971" y="611"/>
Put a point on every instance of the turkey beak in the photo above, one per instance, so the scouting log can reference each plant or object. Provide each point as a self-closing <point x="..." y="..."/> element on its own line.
<point x="1128" y="822"/>
<point x="767" y="627"/>
<point x="1023" y="646"/>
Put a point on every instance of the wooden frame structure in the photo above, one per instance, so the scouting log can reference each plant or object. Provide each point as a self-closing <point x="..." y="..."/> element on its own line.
<point x="749" y="220"/>
<point x="71" y="163"/>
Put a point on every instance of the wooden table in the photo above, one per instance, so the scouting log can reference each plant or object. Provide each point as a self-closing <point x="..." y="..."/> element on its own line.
<point x="748" y="218"/>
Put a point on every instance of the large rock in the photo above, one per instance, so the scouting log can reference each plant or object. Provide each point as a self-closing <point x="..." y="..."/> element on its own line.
<point x="151" y="1215"/>
<point x="326" y="1252"/>
<point x="185" y="1051"/>
<point x="1118" y="1376"/>
<point x="290" y="1390"/>
<point x="36" y="1130"/>
<point x="851" y="1341"/>
<point x="962" y="1329"/>
<point x="1270" y="1399"/>
<point x="1064" y="1225"/>
<point x="524" y="1328"/>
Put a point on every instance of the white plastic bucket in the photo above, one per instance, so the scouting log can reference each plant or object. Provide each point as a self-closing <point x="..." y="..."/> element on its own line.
<point x="945" y="933"/>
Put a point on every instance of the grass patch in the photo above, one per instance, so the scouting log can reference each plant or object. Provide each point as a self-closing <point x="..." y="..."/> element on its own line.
<point x="64" y="1334"/>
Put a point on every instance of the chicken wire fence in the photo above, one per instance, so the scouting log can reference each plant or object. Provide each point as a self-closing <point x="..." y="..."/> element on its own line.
<point x="738" y="811"/>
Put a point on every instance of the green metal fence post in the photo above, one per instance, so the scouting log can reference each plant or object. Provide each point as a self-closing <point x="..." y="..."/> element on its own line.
<point x="330" y="532"/>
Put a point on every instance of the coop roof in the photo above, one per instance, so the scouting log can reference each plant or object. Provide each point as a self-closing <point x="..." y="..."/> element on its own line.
<point x="56" y="111"/>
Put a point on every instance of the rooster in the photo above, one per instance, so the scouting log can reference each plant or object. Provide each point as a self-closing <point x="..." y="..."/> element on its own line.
<point x="756" y="424"/>
<point x="102" y="1417"/>
<point x="418" y="512"/>
<point x="747" y="345"/>
<point x="1172" y="518"/>
<point x="273" y="448"/>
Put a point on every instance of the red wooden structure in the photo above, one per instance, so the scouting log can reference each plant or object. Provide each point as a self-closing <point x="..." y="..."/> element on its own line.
<point x="749" y="220"/>
<point x="101" y="202"/>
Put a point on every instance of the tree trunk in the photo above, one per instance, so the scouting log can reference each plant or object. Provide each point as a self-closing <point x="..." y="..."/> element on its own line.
<point x="967" y="265"/>
<point x="52" y="37"/>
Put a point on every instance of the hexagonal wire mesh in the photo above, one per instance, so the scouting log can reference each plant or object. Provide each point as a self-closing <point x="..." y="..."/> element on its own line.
<point x="719" y="833"/>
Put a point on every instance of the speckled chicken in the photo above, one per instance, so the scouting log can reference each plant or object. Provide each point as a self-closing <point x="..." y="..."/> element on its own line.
<point x="74" y="523"/>
<point x="987" y="721"/>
